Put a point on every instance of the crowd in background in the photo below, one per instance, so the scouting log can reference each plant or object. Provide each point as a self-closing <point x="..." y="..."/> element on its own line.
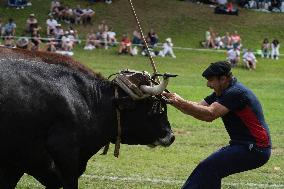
<point x="103" y="36"/>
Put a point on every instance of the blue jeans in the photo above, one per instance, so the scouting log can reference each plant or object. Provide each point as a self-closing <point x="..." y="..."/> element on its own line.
<point x="224" y="162"/>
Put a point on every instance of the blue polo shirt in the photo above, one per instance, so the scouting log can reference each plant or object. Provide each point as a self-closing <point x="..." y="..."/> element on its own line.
<point x="244" y="122"/>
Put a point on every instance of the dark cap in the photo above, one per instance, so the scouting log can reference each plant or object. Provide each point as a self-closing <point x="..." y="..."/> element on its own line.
<point x="217" y="69"/>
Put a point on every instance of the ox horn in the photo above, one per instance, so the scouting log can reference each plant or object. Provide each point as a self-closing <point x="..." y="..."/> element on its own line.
<point x="155" y="90"/>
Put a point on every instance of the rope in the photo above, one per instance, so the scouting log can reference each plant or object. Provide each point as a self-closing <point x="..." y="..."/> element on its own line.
<point x="143" y="37"/>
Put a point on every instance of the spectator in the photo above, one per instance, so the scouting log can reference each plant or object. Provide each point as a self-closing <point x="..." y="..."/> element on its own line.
<point x="111" y="36"/>
<point x="35" y="41"/>
<point x="236" y="39"/>
<point x="51" y="24"/>
<point x="137" y="38"/>
<point x="209" y="38"/>
<point x="67" y="43"/>
<point x="249" y="60"/>
<point x="102" y="26"/>
<point x="91" y="41"/>
<point x="9" y="41"/>
<point x="275" y="45"/>
<point x="152" y="38"/>
<point x="1" y="27"/>
<point x="58" y="32"/>
<point x="78" y="12"/>
<point x="10" y="28"/>
<point x="265" y="48"/>
<point x="54" y="5"/>
<point x="167" y="49"/>
<point x="227" y="42"/>
<point x="31" y="23"/>
<point x="87" y="16"/>
<point x="233" y="56"/>
<point x="125" y="45"/>
<point x="51" y="45"/>
<point x="218" y="41"/>
<point x="22" y="42"/>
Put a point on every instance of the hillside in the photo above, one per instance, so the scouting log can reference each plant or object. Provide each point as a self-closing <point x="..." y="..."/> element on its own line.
<point x="185" y="22"/>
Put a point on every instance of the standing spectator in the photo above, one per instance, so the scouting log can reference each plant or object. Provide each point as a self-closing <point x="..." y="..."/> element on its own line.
<point x="125" y="45"/>
<point x="152" y="38"/>
<point x="265" y="48"/>
<point x="233" y="56"/>
<point x="249" y="60"/>
<point x="167" y="49"/>
<point x="51" y="24"/>
<point x="275" y="45"/>
<point x="10" y="28"/>
<point x="31" y="23"/>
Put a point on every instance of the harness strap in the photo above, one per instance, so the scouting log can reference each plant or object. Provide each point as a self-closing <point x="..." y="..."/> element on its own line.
<point x="118" y="138"/>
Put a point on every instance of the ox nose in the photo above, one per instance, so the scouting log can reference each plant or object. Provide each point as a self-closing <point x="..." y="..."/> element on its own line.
<point x="172" y="139"/>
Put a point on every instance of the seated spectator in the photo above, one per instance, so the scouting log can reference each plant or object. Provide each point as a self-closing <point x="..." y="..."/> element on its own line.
<point x="54" y="4"/>
<point x="31" y="23"/>
<point x="10" y="28"/>
<point x="67" y="44"/>
<point x="152" y="38"/>
<point x="137" y="38"/>
<point x="87" y="16"/>
<point x="1" y="27"/>
<point x="167" y="49"/>
<point x="35" y="41"/>
<point x="275" y="45"/>
<point x="233" y="56"/>
<point x="102" y="26"/>
<point x="92" y="42"/>
<point x="209" y="38"/>
<point x="265" y="48"/>
<point x="249" y="60"/>
<point x="68" y="15"/>
<point x="236" y="39"/>
<point x="125" y="45"/>
<point x="227" y="42"/>
<point x="111" y="36"/>
<point x="9" y="41"/>
<point x="58" y="32"/>
<point x="51" y="45"/>
<point x="218" y="41"/>
<point x="22" y="42"/>
<point x="51" y="24"/>
<point x="78" y="13"/>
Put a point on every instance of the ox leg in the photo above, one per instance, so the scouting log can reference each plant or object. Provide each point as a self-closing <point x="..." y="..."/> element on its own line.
<point x="9" y="177"/>
<point x="65" y="153"/>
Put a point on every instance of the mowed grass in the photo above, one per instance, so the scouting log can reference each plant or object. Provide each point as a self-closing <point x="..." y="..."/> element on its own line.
<point x="140" y="167"/>
<point x="166" y="168"/>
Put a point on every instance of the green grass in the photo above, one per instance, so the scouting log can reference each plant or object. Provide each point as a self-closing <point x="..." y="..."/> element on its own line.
<point x="195" y="140"/>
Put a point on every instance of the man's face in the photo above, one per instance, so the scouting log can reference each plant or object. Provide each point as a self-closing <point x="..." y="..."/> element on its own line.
<point x="215" y="83"/>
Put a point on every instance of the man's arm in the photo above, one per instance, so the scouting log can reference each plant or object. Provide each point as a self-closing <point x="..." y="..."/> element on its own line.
<point x="201" y="110"/>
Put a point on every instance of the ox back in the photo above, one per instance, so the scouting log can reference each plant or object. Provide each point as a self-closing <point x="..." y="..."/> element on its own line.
<point x="54" y="118"/>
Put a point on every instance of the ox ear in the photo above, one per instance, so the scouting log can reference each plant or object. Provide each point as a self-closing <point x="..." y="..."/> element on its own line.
<point x="124" y="103"/>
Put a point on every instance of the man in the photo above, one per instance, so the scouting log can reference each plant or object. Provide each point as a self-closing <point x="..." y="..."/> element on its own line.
<point x="241" y="112"/>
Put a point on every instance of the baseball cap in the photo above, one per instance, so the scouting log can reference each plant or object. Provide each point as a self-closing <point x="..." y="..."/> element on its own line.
<point x="219" y="68"/>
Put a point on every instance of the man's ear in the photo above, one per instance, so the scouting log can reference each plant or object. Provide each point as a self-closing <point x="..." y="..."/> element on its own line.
<point x="124" y="103"/>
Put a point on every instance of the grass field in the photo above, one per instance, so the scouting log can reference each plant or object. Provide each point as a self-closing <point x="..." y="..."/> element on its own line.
<point x="139" y="167"/>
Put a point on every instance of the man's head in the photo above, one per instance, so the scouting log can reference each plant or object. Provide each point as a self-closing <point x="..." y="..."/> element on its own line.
<point x="218" y="76"/>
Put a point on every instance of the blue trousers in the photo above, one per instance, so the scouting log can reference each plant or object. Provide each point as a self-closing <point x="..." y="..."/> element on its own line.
<point x="224" y="162"/>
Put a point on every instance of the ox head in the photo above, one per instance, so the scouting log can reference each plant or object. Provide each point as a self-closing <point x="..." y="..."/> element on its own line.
<point x="143" y="111"/>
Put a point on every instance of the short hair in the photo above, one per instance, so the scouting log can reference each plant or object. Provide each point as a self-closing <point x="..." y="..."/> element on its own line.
<point x="220" y="68"/>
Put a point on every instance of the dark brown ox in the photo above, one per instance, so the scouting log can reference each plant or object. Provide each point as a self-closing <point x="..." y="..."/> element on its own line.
<point x="55" y="114"/>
